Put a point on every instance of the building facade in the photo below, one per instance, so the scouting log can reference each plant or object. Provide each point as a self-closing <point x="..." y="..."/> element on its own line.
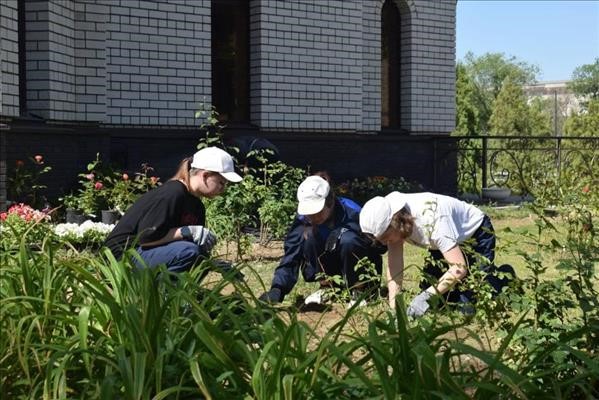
<point x="359" y="87"/>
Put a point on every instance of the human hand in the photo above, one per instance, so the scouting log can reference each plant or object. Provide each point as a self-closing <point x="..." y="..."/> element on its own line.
<point x="201" y="236"/>
<point x="272" y="296"/>
<point x="419" y="305"/>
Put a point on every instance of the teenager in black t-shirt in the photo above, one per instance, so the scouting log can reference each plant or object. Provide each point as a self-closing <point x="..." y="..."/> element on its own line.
<point x="167" y="224"/>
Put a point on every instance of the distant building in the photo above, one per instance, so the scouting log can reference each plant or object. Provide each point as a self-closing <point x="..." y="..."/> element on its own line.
<point x="359" y="87"/>
<point x="555" y="92"/>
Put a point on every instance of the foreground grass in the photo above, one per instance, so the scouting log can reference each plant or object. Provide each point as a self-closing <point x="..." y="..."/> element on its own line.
<point x="86" y="325"/>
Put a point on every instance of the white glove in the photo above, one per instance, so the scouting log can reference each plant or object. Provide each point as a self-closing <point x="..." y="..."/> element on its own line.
<point x="199" y="235"/>
<point x="419" y="305"/>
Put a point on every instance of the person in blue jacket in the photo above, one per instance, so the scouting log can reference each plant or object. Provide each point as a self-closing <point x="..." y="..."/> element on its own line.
<point x="324" y="240"/>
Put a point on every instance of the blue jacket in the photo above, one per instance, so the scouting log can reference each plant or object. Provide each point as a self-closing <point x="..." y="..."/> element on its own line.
<point x="346" y="215"/>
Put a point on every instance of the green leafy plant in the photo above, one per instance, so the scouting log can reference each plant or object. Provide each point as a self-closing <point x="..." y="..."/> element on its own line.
<point x="22" y="221"/>
<point x="24" y="181"/>
<point x="92" y="195"/>
<point x="122" y="190"/>
<point x="363" y="189"/>
<point x="210" y="127"/>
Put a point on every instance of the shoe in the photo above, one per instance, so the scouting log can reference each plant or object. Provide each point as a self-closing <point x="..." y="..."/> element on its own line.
<point x="318" y="297"/>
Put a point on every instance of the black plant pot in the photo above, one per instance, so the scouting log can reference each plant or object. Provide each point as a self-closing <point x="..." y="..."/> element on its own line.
<point x="110" y="216"/>
<point x="75" y="216"/>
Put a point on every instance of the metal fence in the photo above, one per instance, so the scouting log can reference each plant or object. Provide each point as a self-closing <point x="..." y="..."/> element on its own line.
<point x="519" y="163"/>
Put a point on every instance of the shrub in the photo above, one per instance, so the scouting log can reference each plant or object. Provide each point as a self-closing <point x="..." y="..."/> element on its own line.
<point x="22" y="221"/>
<point x="122" y="190"/>
<point x="24" y="184"/>
<point x="362" y="189"/>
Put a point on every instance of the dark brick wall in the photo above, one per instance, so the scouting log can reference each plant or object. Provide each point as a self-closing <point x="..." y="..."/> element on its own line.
<point x="428" y="160"/>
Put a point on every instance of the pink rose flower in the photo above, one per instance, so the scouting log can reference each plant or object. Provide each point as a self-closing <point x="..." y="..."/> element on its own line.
<point x="98" y="185"/>
<point x="125" y="177"/>
<point x="38" y="158"/>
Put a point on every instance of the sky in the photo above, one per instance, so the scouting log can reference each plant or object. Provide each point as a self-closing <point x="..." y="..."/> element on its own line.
<point x="557" y="36"/>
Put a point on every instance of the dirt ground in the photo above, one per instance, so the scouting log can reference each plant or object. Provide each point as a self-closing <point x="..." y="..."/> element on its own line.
<point x="263" y="260"/>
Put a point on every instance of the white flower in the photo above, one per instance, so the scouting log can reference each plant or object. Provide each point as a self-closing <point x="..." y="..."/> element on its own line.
<point x="87" y="230"/>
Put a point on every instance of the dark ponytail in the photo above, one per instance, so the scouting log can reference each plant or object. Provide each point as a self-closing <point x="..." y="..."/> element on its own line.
<point x="183" y="171"/>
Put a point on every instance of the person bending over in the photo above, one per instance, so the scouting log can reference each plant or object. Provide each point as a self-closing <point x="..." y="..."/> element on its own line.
<point x="324" y="240"/>
<point x="455" y="233"/>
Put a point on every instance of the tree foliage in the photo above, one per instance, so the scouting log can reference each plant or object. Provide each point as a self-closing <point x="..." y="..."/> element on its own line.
<point x="468" y="118"/>
<point x="585" y="82"/>
<point x="512" y="115"/>
<point x="479" y="81"/>
<point x="585" y="123"/>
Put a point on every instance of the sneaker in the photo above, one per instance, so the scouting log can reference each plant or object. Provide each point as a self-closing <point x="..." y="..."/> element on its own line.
<point x="318" y="297"/>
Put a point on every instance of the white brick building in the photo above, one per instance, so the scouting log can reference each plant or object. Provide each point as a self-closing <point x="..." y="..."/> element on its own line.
<point x="121" y="73"/>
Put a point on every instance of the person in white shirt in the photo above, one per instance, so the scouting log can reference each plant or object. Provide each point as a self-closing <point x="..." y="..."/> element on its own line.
<point x="452" y="230"/>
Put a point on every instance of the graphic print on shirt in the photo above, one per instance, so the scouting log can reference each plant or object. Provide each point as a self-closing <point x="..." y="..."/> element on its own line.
<point x="189" y="218"/>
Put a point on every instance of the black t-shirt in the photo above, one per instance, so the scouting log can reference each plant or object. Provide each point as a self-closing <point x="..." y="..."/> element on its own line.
<point x="154" y="214"/>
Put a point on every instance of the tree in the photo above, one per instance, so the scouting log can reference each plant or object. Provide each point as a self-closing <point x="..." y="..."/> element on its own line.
<point x="585" y="123"/>
<point x="487" y="74"/>
<point x="513" y="116"/>
<point x="468" y="121"/>
<point x="585" y="82"/>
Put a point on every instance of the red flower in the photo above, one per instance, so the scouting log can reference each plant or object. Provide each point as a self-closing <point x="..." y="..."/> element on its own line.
<point x="19" y="163"/>
<point x="38" y="159"/>
<point x="125" y="177"/>
<point x="98" y="185"/>
<point x="586" y="189"/>
<point x="3" y="216"/>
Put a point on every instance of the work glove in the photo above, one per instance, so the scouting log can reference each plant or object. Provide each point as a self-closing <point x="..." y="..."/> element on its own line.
<point x="333" y="239"/>
<point x="419" y="305"/>
<point x="272" y="296"/>
<point x="201" y="236"/>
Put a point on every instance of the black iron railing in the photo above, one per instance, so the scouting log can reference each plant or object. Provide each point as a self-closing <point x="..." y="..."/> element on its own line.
<point x="515" y="162"/>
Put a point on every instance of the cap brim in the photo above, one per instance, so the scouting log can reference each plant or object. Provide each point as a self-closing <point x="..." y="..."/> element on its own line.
<point x="310" y="207"/>
<point x="231" y="176"/>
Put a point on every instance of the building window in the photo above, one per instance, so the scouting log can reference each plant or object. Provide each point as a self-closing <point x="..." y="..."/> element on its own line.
<point x="390" y="65"/>
<point x="230" y="60"/>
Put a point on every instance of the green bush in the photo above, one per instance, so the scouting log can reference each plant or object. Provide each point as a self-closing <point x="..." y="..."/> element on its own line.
<point x="363" y="189"/>
<point x="20" y="223"/>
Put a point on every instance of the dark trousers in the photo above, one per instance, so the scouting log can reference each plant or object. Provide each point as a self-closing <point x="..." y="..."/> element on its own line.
<point x="479" y="252"/>
<point x="350" y="248"/>
<point x="178" y="256"/>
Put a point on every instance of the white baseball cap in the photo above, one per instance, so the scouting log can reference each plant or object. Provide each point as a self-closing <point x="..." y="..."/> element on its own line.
<point x="216" y="160"/>
<point x="376" y="214"/>
<point x="312" y="194"/>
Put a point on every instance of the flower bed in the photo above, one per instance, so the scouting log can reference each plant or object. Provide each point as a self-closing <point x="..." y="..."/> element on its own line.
<point x="87" y="233"/>
<point x="22" y="221"/>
